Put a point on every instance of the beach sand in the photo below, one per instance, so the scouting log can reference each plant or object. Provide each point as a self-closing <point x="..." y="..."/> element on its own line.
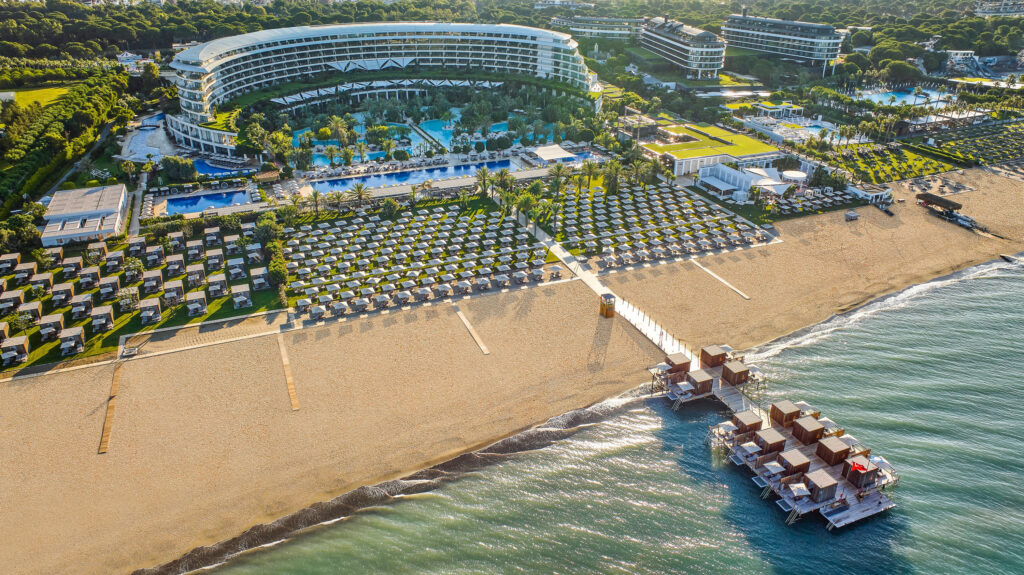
<point x="205" y="443"/>
<point x="824" y="266"/>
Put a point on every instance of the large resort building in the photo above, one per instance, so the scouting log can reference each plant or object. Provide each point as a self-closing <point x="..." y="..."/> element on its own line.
<point x="216" y="72"/>
<point x="698" y="53"/>
<point x="1007" y="8"/>
<point x="816" y="44"/>
<point x="623" y="29"/>
<point x="85" y="214"/>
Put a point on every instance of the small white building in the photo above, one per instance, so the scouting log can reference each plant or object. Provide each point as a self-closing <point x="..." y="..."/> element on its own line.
<point x="726" y="182"/>
<point x="85" y="214"/>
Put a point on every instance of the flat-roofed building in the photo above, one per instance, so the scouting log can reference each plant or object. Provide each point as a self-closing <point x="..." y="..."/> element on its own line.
<point x="624" y="29"/>
<point x="700" y="54"/>
<point x="1006" y="8"/>
<point x="85" y="214"/>
<point x="687" y="148"/>
<point x="815" y="44"/>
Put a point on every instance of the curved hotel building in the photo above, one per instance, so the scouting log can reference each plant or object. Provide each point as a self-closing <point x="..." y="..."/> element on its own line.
<point x="218" y="71"/>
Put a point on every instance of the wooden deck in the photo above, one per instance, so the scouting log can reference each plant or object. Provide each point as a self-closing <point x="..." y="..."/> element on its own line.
<point x="108" y="420"/>
<point x="287" y="373"/>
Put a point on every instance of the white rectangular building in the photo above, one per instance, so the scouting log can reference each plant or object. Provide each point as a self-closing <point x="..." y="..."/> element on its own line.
<point x="699" y="53"/>
<point x="816" y="44"/>
<point x="85" y="214"/>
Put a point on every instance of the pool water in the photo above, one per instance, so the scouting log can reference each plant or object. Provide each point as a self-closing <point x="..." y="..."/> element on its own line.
<point x="905" y="97"/>
<point x="193" y="204"/>
<point x="205" y="169"/>
<point x="409" y="177"/>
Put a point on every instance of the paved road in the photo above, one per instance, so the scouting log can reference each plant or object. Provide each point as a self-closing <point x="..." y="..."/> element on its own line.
<point x="103" y="136"/>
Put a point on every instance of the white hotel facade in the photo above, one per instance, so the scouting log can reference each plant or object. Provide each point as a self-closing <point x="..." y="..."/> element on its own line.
<point x="218" y="71"/>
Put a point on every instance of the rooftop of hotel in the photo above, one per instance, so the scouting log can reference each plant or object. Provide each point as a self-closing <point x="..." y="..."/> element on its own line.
<point x="709" y="141"/>
<point x="776" y="22"/>
<point x="99" y="200"/>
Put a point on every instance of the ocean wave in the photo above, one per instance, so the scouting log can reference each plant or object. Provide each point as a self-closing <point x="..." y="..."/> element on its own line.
<point x="900" y="299"/>
<point x="327" y="512"/>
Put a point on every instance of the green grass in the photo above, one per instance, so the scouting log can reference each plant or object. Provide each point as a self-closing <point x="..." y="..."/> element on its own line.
<point x="759" y="214"/>
<point x="44" y="96"/>
<point x="224" y="121"/>
<point x="888" y="165"/>
<point x="708" y="141"/>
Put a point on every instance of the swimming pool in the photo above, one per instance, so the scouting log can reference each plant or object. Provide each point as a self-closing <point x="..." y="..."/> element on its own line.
<point x="905" y="97"/>
<point x="205" y="169"/>
<point x="409" y="177"/>
<point x="193" y="204"/>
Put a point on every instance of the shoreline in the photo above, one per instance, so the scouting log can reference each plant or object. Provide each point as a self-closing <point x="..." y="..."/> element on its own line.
<point x="530" y="438"/>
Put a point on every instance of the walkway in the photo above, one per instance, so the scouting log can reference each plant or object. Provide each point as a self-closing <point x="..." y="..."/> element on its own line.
<point x="627" y="311"/>
<point x="136" y="199"/>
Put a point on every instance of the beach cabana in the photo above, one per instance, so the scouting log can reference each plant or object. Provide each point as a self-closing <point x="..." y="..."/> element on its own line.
<point x="7" y="263"/>
<point x="821" y="485"/>
<point x="212" y="236"/>
<point x="154" y="256"/>
<point x="61" y="294"/>
<point x="97" y="250"/>
<point x="114" y="261"/>
<point x="769" y="440"/>
<point x="218" y="285"/>
<point x="735" y="373"/>
<point x="175" y="265"/>
<point x="214" y="259"/>
<point x="236" y="269"/>
<point x="44" y="281"/>
<point x="149" y="310"/>
<point x="231" y="245"/>
<point x="5" y="330"/>
<point x="832" y="450"/>
<point x="254" y="253"/>
<point x="860" y="471"/>
<point x="175" y="241"/>
<point x="14" y="350"/>
<point x="249" y="229"/>
<point x="678" y="363"/>
<point x="196" y="303"/>
<point x="174" y="291"/>
<point x="72" y="340"/>
<point x="56" y="255"/>
<point x="11" y="299"/>
<point x="701" y="381"/>
<point x="23" y="272"/>
<point x="152" y="282"/>
<point x="260" y="279"/>
<point x="136" y="247"/>
<point x="794" y="461"/>
<point x="81" y="306"/>
<point x="71" y="267"/>
<point x="102" y="318"/>
<point x="807" y="430"/>
<point x="33" y="309"/>
<point x="241" y="296"/>
<point x="109" y="286"/>
<point x="195" y="275"/>
<point x="49" y="325"/>
<point x="746" y="421"/>
<point x="784" y="413"/>
<point x="194" y="250"/>
<point x="712" y="356"/>
<point x="88" y="278"/>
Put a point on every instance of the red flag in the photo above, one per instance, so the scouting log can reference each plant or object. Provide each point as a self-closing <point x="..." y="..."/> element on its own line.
<point x="857" y="467"/>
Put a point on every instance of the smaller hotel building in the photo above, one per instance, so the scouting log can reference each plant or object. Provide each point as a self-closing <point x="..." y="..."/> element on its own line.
<point x="816" y="44"/>
<point x="687" y="148"/>
<point x="699" y="53"/>
<point x="85" y="214"/>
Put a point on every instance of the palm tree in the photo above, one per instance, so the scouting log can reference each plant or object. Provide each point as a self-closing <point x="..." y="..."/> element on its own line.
<point x="612" y="171"/>
<point x="388" y="145"/>
<point x="589" y="168"/>
<point x="483" y="181"/>
<point x="361" y="151"/>
<point x="504" y="180"/>
<point x="331" y="152"/>
<point x="426" y="186"/>
<point x="346" y="156"/>
<point x="918" y="90"/>
<point x="359" y="193"/>
<point x="339" y="128"/>
<point x="316" y="202"/>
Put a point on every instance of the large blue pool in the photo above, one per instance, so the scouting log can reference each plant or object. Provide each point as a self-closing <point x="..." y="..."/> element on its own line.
<point x="409" y="177"/>
<point x="193" y="204"/>
<point x="905" y="97"/>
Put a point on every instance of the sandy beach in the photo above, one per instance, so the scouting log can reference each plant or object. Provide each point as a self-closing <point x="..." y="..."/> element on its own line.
<point x="205" y="443"/>
<point x="824" y="266"/>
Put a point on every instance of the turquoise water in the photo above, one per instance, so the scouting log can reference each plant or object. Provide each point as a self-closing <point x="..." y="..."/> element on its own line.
<point x="408" y="177"/>
<point x="931" y="379"/>
<point x="906" y="97"/>
<point x="192" y="204"/>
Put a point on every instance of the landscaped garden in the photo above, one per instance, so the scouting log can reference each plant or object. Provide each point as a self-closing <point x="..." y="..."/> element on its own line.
<point x="990" y="144"/>
<point x="878" y="164"/>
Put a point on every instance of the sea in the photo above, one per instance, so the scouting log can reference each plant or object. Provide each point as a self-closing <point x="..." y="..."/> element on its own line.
<point x="931" y="378"/>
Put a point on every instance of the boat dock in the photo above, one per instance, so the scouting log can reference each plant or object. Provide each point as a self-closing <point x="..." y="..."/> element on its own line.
<point x="805" y="460"/>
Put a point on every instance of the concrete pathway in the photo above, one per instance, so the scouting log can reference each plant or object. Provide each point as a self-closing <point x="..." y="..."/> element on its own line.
<point x="133" y="226"/>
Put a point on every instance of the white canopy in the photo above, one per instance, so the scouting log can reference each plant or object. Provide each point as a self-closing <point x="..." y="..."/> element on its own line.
<point x="552" y="153"/>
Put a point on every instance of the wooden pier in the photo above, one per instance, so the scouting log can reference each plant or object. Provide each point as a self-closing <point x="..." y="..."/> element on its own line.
<point x="841" y="503"/>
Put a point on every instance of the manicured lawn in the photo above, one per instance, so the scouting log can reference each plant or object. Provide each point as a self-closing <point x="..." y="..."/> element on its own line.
<point x="44" y="96"/>
<point x="879" y="165"/>
<point x="705" y="140"/>
<point x="223" y="121"/>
